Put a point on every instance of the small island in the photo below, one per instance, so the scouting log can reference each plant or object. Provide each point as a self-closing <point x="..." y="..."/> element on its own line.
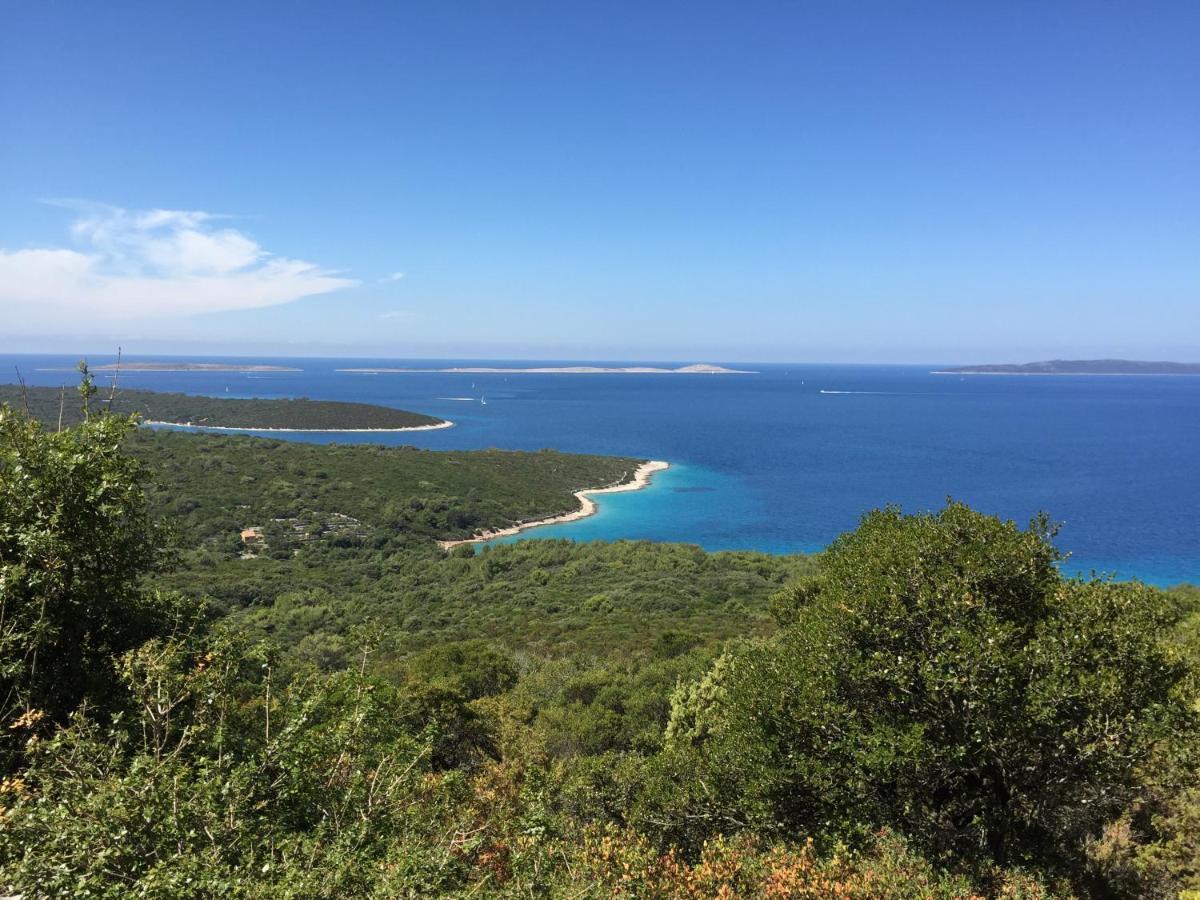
<point x="224" y="414"/>
<point x="695" y="369"/>
<point x="1078" y="367"/>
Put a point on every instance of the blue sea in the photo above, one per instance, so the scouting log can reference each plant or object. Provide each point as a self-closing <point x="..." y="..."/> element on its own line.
<point x="785" y="459"/>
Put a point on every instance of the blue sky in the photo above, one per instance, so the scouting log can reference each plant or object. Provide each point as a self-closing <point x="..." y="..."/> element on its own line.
<point x="843" y="181"/>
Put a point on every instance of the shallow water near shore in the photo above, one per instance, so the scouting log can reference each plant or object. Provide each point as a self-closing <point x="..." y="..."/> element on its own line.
<point x="784" y="460"/>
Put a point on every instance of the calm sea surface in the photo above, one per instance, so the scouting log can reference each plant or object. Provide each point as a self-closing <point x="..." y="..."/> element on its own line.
<point x="785" y="459"/>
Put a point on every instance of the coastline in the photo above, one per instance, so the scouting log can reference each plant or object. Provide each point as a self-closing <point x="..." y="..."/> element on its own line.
<point x="134" y="368"/>
<point x="1078" y="374"/>
<point x="587" y="506"/>
<point x="445" y="423"/>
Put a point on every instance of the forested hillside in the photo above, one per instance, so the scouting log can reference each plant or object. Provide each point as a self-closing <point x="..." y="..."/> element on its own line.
<point x="210" y="486"/>
<point x="552" y="597"/>
<point x="926" y="709"/>
<point x="45" y="404"/>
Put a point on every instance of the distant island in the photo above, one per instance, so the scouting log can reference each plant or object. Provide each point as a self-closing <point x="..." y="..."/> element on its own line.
<point x="1078" y="367"/>
<point x="696" y="369"/>
<point x="227" y="414"/>
<point x="181" y="367"/>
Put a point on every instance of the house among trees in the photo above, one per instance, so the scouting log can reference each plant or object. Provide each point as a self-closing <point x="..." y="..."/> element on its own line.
<point x="252" y="536"/>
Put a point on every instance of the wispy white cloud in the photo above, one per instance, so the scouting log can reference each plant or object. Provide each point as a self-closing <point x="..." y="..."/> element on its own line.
<point x="395" y="276"/>
<point x="134" y="263"/>
<point x="396" y="314"/>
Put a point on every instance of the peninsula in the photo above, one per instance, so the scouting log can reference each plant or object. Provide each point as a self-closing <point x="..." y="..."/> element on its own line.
<point x="1078" y="367"/>
<point x="587" y="506"/>
<point x="696" y="369"/>
<point x="228" y="414"/>
<point x="180" y="367"/>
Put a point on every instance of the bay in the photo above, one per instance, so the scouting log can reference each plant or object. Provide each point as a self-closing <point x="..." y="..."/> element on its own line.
<point x="785" y="459"/>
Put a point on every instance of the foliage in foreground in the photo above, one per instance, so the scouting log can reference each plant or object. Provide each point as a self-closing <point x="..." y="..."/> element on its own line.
<point x="75" y="542"/>
<point x="939" y="714"/>
<point x="940" y="678"/>
<point x="216" y="785"/>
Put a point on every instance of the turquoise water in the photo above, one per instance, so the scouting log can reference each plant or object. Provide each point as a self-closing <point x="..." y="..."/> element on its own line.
<point x="784" y="460"/>
<point x="676" y="504"/>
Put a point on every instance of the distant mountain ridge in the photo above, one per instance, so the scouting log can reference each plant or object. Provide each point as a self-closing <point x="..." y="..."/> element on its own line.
<point x="1078" y="367"/>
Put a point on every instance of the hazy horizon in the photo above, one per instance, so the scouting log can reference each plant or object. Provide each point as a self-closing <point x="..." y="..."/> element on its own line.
<point x="99" y="356"/>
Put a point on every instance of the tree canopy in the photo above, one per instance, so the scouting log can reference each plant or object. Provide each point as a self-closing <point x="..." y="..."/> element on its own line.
<point x="938" y="676"/>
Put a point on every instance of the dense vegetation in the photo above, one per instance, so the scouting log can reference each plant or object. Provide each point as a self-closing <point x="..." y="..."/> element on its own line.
<point x="927" y="709"/>
<point x="210" y="486"/>
<point x="44" y="404"/>
<point x="543" y="597"/>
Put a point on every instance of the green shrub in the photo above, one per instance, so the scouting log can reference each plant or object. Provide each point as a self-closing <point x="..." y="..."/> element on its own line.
<point x="938" y="677"/>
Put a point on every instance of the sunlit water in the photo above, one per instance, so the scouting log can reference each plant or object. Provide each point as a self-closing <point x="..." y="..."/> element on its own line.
<point x="785" y="459"/>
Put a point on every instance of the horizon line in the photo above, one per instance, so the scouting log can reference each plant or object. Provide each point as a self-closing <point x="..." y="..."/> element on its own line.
<point x="692" y="360"/>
